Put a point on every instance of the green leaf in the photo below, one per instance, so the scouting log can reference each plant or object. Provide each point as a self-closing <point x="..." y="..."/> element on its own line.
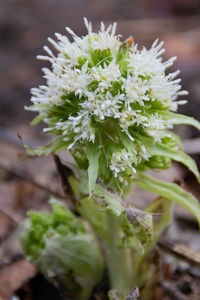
<point x="90" y="210"/>
<point x="64" y="249"/>
<point x="170" y="191"/>
<point x="136" y="225"/>
<point x="74" y="184"/>
<point x="179" y="119"/>
<point x="138" y="230"/>
<point x="111" y="202"/>
<point x="176" y="155"/>
<point x="56" y="145"/>
<point x="76" y="261"/>
<point x="122" y="58"/>
<point x="100" y="57"/>
<point x="162" y="150"/>
<point x="36" y="120"/>
<point x="128" y="144"/>
<point x="93" y="153"/>
<point x="161" y="209"/>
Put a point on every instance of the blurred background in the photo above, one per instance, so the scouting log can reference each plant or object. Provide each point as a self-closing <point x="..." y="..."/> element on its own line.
<point x="25" y="26"/>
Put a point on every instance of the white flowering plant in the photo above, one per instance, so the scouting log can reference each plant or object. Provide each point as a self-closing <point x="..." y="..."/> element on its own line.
<point x="112" y="105"/>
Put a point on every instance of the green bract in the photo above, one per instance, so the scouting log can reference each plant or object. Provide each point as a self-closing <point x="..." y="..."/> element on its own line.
<point x="109" y="103"/>
<point x="64" y="250"/>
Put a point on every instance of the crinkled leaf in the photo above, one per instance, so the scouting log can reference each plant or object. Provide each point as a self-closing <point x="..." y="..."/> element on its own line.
<point x="177" y="140"/>
<point x="138" y="230"/>
<point x="64" y="250"/>
<point x="170" y="191"/>
<point x="75" y="261"/>
<point x="110" y="201"/>
<point x="135" y="224"/>
<point x="93" y="153"/>
<point x="56" y="145"/>
<point x="160" y="209"/>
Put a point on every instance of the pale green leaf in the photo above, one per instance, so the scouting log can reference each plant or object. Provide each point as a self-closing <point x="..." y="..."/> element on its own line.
<point x="128" y="144"/>
<point x="157" y="149"/>
<point x="160" y="209"/>
<point x="177" y="155"/>
<point x="56" y="145"/>
<point x="179" y="119"/>
<point x="74" y="184"/>
<point x="138" y="229"/>
<point x="136" y="225"/>
<point x="111" y="202"/>
<point x="62" y="244"/>
<point x="170" y="191"/>
<point x="93" y="153"/>
<point x="36" y="120"/>
<point x="90" y="210"/>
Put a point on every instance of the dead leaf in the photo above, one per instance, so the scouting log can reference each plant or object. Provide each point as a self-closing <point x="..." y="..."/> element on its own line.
<point x="13" y="276"/>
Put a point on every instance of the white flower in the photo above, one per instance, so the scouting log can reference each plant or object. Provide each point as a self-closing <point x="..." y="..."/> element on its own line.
<point x="97" y="78"/>
<point x="142" y="152"/>
<point x="103" y="106"/>
<point x="155" y="126"/>
<point x="130" y="117"/>
<point x="80" y="125"/>
<point x="105" y="39"/>
<point x="106" y="75"/>
<point x="147" y="62"/>
<point x="136" y="90"/>
<point x="121" y="161"/>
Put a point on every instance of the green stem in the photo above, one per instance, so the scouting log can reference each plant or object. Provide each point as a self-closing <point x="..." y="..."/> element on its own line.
<point x="119" y="260"/>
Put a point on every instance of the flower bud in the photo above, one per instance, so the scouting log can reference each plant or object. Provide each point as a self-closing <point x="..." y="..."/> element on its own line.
<point x="158" y="162"/>
<point x="64" y="249"/>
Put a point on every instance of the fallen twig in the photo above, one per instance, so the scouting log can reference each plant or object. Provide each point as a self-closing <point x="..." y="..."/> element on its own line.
<point x="65" y="172"/>
<point x="172" y="291"/>
<point x="182" y="252"/>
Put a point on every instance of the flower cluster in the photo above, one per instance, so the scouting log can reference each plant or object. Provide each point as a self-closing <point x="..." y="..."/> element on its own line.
<point x="122" y="161"/>
<point x="103" y="91"/>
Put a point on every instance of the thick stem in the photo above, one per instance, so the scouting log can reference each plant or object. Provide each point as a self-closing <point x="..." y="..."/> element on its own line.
<point x="118" y="260"/>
